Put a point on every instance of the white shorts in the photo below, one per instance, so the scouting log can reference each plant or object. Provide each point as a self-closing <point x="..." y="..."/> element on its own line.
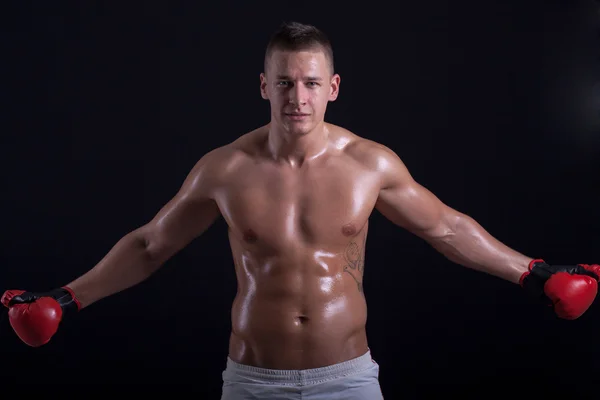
<point x="356" y="379"/>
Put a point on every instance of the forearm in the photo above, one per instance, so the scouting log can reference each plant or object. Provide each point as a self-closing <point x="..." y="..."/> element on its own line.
<point x="465" y="242"/>
<point x="128" y="263"/>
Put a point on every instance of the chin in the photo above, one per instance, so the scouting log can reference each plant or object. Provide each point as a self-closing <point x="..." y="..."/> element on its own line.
<point x="299" y="129"/>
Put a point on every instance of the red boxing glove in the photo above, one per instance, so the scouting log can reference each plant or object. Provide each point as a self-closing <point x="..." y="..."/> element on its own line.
<point x="35" y="317"/>
<point x="569" y="289"/>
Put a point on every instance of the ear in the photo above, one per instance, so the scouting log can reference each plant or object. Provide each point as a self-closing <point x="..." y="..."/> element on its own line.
<point x="263" y="86"/>
<point x="334" y="87"/>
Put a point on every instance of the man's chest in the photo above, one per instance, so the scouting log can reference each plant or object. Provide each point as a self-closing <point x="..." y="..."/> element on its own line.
<point x="321" y="205"/>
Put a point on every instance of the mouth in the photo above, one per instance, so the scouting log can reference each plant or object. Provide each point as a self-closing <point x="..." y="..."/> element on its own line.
<point x="296" y="116"/>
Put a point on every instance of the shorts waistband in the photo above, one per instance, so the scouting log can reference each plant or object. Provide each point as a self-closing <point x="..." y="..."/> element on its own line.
<point x="303" y="376"/>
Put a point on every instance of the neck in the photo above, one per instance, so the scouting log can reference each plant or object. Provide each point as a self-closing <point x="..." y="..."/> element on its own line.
<point x="297" y="149"/>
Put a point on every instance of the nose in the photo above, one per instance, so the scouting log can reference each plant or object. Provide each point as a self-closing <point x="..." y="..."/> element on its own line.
<point x="298" y="95"/>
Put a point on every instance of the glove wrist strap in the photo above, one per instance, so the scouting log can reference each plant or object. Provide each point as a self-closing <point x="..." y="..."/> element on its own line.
<point x="66" y="299"/>
<point x="534" y="280"/>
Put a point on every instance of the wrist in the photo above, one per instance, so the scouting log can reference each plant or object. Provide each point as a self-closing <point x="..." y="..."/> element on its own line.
<point x="521" y="270"/>
<point x="527" y="270"/>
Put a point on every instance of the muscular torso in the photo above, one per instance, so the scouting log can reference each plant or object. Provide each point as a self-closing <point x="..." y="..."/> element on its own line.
<point x="298" y="242"/>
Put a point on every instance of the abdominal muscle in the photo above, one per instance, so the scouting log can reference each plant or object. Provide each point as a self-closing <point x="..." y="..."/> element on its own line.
<point x="296" y="315"/>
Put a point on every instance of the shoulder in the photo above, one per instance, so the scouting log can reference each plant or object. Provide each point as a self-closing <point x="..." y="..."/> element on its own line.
<point x="227" y="159"/>
<point x="373" y="156"/>
<point x="215" y="166"/>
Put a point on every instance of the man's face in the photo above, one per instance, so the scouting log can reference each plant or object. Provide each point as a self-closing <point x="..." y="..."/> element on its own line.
<point x="298" y="84"/>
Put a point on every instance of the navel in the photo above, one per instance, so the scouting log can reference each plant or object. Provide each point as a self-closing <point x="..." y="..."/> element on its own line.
<point x="250" y="236"/>
<point x="349" y="230"/>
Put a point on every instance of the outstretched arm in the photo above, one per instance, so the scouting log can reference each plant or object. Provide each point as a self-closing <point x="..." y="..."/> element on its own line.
<point x="457" y="236"/>
<point x="570" y="289"/>
<point x="141" y="252"/>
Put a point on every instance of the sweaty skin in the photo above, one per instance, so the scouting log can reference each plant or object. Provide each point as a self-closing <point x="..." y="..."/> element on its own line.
<point x="298" y="241"/>
<point x="297" y="194"/>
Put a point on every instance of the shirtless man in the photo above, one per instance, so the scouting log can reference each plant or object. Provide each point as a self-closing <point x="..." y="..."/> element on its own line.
<point x="297" y="194"/>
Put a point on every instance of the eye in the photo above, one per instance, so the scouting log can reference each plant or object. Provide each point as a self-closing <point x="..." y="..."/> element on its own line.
<point x="312" y="84"/>
<point x="282" y="83"/>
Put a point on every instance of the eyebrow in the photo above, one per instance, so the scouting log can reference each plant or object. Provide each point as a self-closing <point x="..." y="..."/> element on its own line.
<point x="306" y="78"/>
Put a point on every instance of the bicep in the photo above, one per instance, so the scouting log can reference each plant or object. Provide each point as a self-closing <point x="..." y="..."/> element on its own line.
<point x="186" y="216"/>
<point x="414" y="208"/>
<point x="410" y="205"/>
<point x="179" y="222"/>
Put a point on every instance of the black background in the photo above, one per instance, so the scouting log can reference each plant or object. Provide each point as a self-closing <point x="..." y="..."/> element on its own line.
<point x="494" y="106"/>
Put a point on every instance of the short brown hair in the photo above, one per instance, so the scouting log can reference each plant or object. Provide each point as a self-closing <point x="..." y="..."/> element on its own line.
<point x="295" y="36"/>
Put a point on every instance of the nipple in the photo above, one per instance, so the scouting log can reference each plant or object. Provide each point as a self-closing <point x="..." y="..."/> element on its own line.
<point x="349" y="230"/>
<point x="250" y="236"/>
